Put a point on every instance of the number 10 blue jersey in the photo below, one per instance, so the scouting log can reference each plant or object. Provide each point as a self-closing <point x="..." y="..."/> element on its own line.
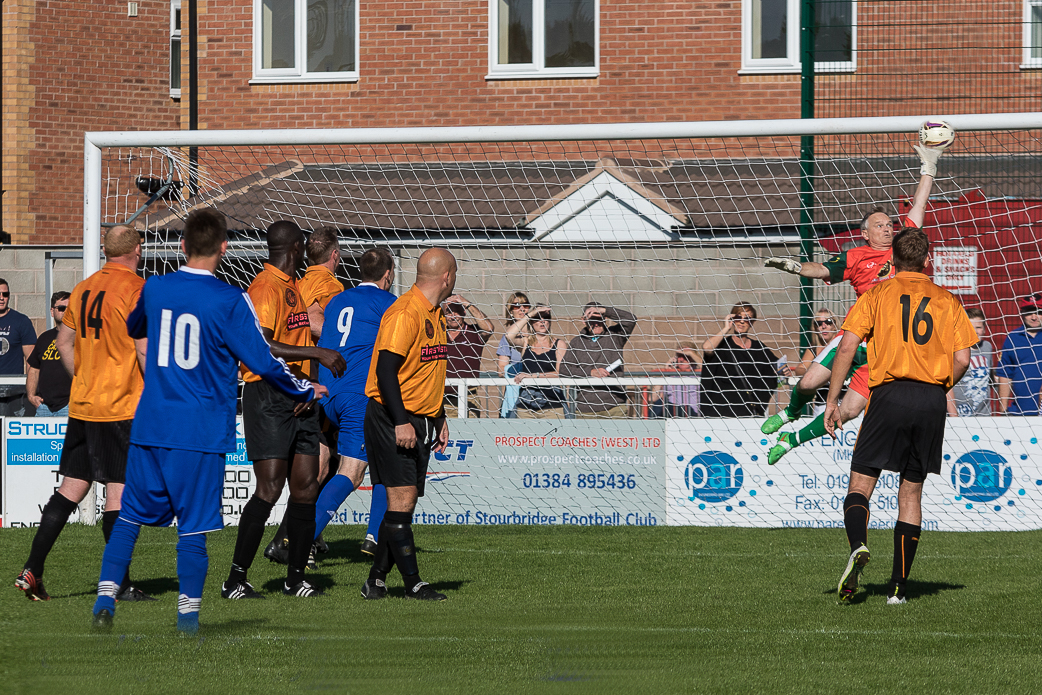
<point x="199" y="329"/>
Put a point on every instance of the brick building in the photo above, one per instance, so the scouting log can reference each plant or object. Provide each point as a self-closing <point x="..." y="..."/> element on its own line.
<point x="71" y="67"/>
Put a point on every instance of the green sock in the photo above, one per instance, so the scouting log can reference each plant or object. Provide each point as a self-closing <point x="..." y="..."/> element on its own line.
<point x="797" y="401"/>
<point x="815" y="429"/>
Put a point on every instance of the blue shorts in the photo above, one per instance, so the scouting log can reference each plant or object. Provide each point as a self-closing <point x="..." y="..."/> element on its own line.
<point x="167" y="483"/>
<point x="347" y="411"/>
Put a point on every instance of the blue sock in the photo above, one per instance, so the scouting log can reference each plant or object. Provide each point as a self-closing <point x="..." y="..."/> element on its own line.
<point x="330" y="499"/>
<point x="115" y="563"/>
<point x="377" y="509"/>
<point x="192" y="564"/>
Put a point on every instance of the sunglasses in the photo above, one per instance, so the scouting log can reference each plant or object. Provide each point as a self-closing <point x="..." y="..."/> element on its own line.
<point x="742" y="319"/>
<point x="825" y="322"/>
<point x="5" y="294"/>
<point x="61" y="307"/>
<point x="520" y="306"/>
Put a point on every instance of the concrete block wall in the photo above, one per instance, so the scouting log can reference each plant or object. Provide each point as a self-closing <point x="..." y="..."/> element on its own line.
<point x="23" y="268"/>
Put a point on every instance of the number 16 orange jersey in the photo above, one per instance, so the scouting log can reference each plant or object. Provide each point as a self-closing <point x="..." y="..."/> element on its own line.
<point x="108" y="379"/>
<point x="913" y="328"/>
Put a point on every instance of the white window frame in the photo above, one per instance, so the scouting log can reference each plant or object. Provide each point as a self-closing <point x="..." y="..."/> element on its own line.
<point x="300" y="73"/>
<point x="1030" y="63"/>
<point x="791" y="64"/>
<point x="175" y="35"/>
<point x="536" y="69"/>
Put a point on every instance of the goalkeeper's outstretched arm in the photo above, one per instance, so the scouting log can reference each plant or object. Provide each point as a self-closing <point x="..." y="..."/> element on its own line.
<point x="808" y="269"/>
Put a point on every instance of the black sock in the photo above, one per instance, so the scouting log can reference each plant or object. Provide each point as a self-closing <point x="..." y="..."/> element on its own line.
<point x="396" y="530"/>
<point x="52" y="520"/>
<point x="300" y="530"/>
<point x="108" y="520"/>
<point x="383" y="560"/>
<point x="251" y="531"/>
<point x="855" y="518"/>
<point x="906" y="540"/>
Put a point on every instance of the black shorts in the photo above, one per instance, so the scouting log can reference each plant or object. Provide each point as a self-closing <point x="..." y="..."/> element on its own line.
<point x="903" y="431"/>
<point x="95" y="451"/>
<point x="271" y="429"/>
<point x="389" y="464"/>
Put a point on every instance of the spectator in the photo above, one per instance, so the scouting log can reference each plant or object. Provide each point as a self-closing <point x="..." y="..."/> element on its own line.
<point x="597" y="348"/>
<point x="972" y="395"/>
<point x="466" y="343"/>
<point x="678" y="400"/>
<point x="47" y="383"/>
<point x="824" y="329"/>
<point x="739" y="372"/>
<point x="17" y="339"/>
<point x="1020" y="366"/>
<point x="541" y="356"/>
<point x="509" y="357"/>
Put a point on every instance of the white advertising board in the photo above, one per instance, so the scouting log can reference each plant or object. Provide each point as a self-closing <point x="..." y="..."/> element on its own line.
<point x="717" y="475"/>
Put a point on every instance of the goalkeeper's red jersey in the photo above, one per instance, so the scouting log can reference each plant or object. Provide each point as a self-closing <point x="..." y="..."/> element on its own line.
<point x="863" y="267"/>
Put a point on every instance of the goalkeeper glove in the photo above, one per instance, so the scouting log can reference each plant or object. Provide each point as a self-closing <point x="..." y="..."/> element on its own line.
<point x="928" y="156"/>
<point x="789" y="266"/>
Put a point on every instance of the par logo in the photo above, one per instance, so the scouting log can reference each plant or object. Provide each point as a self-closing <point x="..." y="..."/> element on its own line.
<point x="981" y="476"/>
<point x="713" y="476"/>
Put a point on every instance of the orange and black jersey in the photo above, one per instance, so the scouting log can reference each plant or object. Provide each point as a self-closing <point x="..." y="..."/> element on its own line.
<point x="281" y="309"/>
<point x="415" y="329"/>
<point x="108" y="379"/>
<point x="319" y="285"/>
<point x="913" y="328"/>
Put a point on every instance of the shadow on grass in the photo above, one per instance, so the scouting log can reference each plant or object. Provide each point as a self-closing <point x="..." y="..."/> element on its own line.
<point x="319" y="580"/>
<point x="230" y="627"/>
<point x="345" y="549"/>
<point x="153" y="587"/>
<point x="914" y="590"/>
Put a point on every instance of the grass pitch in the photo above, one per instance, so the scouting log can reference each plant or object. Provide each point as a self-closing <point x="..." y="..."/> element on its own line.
<point x="548" y="610"/>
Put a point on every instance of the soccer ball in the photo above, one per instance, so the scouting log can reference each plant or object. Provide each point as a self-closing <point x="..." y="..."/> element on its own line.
<point x="936" y="134"/>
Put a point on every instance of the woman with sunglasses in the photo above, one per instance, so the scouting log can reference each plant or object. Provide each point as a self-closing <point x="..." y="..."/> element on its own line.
<point x="508" y="356"/>
<point x="739" y="373"/>
<point x="825" y="327"/>
<point x="541" y="356"/>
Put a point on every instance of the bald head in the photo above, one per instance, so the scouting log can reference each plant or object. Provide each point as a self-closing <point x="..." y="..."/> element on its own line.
<point x="121" y="241"/>
<point x="436" y="275"/>
<point x="283" y="234"/>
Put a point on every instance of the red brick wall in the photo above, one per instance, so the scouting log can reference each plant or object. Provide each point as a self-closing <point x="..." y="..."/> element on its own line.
<point x="661" y="61"/>
<point x="70" y="67"/>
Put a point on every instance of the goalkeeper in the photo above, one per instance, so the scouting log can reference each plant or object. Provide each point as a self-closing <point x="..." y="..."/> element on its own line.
<point x="863" y="267"/>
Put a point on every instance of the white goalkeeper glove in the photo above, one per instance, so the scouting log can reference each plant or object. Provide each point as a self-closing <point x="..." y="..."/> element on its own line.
<point x="786" y="264"/>
<point x="928" y="156"/>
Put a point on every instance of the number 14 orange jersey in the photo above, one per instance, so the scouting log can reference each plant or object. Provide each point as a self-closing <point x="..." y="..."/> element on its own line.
<point x="108" y="379"/>
<point x="913" y="328"/>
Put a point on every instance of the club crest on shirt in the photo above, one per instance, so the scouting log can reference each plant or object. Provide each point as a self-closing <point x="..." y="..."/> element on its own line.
<point x="884" y="272"/>
<point x="428" y="328"/>
<point x="291" y="297"/>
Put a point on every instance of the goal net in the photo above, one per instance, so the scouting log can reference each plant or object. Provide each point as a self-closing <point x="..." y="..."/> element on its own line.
<point x="665" y="228"/>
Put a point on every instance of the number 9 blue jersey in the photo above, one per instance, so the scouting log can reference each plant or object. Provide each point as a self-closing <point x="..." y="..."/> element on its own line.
<point x="349" y="326"/>
<point x="199" y="329"/>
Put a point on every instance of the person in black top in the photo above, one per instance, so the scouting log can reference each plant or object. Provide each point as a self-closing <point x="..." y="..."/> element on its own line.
<point x="17" y="337"/>
<point x="47" y="383"/>
<point x="541" y="357"/>
<point x="738" y="374"/>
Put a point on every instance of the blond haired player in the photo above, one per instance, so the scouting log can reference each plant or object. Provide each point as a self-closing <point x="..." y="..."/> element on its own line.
<point x="919" y="341"/>
<point x="106" y="368"/>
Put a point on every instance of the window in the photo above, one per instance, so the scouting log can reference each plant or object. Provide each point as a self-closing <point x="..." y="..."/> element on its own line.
<point x="305" y="40"/>
<point x="1032" y="34"/>
<point x="771" y="36"/>
<point x="175" y="49"/>
<point x="543" y="38"/>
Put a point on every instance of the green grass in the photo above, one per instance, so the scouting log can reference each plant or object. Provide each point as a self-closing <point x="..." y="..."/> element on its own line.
<point x="549" y="610"/>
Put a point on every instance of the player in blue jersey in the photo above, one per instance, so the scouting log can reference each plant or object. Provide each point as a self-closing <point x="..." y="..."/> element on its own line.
<point x="200" y="328"/>
<point x="352" y="322"/>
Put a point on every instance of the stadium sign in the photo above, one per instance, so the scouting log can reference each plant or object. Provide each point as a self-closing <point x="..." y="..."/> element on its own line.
<point x="717" y="475"/>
